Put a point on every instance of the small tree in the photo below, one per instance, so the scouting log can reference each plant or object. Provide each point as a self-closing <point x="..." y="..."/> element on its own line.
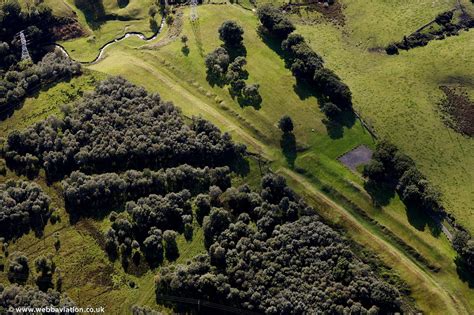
<point x="217" y="63"/>
<point x="45" y="267"/>
<point x="330" y="109"/>
<point x="286" y="124"/>
<point x="153" y="247"/>
<point x="169" y="19"/>
<point x="18" y="270"/>
<point x="185" y="49"/>
<point x="171" y="247"/>
<point x="184" y="40"/>
<point x="251" y="95"/>
<point x="231" y="34"/>
<point x="392" y="49"/>
<point x="236" y="87"/>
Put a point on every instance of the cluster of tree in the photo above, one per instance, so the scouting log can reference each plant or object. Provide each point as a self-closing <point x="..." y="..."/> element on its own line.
<point x="169" y="212"/>
<point x="446" y="27"/>
<point x="142" y="230"/>
<point x="305" y="64"/>
<point x="23" y="206"/>
<point x="36" y="22"/>
<point x="464" y="246"/>
<point x="16" y="85"/>
<point x="274" y="22"/>
<point x="18" y="269"/>
<point x="118" y="127"/>
<point x="45" y="268"/>
<point x="268" y="252"/>
<point x="97" y="194"/>
<point x="225" y="65"/>
<point x="28" y="296"/>
<point x="390" y="166"/>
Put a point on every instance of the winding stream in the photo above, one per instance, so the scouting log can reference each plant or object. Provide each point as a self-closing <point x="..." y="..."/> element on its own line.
<point x="112" y="42"/>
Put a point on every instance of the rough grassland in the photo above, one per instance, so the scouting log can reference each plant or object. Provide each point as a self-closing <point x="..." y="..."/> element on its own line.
<point x="375" y="23"/>
<point x="89" y="278"/>
<point x="182" y="79"/>
<point x="398" y="95"/>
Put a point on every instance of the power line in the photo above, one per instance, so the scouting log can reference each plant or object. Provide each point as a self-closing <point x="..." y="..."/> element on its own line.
<point x="206" y="304"/>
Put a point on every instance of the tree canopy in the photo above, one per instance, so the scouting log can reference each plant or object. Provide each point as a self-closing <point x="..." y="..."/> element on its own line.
<point x="268" y="252"/>
<point x="23" y="207"/>
<point x="118" y="127"/>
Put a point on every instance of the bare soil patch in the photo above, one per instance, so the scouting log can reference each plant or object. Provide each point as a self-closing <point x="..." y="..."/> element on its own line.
<point x="332" y="13"/>
<point x="68" y="28"/>
<point x="457" y="110"/>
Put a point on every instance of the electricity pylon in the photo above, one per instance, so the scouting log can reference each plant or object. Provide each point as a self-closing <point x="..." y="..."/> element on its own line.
<point x="194" y="14"/>
<point x="24" y="49"/>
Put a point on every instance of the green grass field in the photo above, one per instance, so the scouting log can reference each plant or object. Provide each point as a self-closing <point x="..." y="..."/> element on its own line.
<point x="397" y="95"/>
<point x="182" y="79"/>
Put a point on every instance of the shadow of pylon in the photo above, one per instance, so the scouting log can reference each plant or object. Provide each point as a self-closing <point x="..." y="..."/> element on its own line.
<point x="196" y="27"/>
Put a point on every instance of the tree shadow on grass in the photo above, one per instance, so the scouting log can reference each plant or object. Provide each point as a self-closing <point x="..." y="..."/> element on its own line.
<point x="416" y="217"/>
<point x="235" y="51"/>
<point x="185" y="50"/>
<point x="122" y="3"/>
<point x="381" y="193"/>
<point x="94" y="12"/>
<point x="272" y="43"/>
<point x="463" y="272"/>
<point x="305" y="91"/>
<point x="335" y="126"/>
<point x="288" y="146"/>
<point x="421" y="218"/>
<point x="240" y="166"/>
<point x="196" y="27"/>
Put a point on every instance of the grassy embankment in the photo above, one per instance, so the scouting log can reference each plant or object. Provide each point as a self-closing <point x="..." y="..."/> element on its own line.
<point x="182" y="79"/>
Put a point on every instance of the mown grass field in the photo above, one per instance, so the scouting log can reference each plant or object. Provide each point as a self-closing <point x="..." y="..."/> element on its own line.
<point x="182" y="79"/>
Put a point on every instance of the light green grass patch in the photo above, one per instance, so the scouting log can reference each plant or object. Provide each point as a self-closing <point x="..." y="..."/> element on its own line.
<point x="49" y="100"/>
